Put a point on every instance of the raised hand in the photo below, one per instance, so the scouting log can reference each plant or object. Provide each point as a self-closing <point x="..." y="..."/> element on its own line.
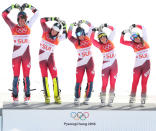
<point x="17" y="6"/>
<point x="63" y="23"/>
<point x="125" y="31"/>
<point x="95" y="29"/>
<point x="105" y="25"/>
<point x="75" y="24"/>
<point x="57" y="19"/>
<point x="25" y="5"/>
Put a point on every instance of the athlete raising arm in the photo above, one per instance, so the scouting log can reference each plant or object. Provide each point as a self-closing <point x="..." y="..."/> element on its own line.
<point x="85" y="62"/>
<point x="21" y="54"/>
<point x="109" y="67"/>
<point x="142" y="61"/>
<point x="50" y="39"/>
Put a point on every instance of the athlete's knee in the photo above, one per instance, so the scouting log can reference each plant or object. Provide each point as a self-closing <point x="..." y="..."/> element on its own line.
<point x="26" y="72"/>
<point x="16" y="71"/>
<point x="44" y="73"/>
<point x="79" y="77"/>
<point x="104" y="85"/>
<point x="91" y="75"/>
<point x="53" y="72"/>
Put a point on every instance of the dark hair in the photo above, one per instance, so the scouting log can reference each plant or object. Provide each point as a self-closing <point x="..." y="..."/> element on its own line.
<point x="22" y="15"/>
<point x="141" y="39"/>
<point x="101" y="41"/>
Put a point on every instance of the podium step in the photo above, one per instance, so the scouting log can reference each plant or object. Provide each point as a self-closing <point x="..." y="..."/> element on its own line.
<point x="71" y="106"/>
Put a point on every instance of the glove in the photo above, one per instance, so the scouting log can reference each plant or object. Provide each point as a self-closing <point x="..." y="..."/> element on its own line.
<point x="48" y="18"/>
<point x="25" y="5"/>
<point x="63" y="23"/>
<point x="74" y="24"/>
<point x="81" y="21"/>
<point x="95" y="29"/>
<point x="16" y="6"/>
<point x="56" y="19"/>
<point x="105" y="25"/>
<point x="125" y="31"/>
<point x="133" y="25"/>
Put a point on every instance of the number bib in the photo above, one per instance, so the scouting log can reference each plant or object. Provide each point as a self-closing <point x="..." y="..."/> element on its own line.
<point x="143" y="54"/>
<point x="19" y="40"/>
<point x="141" y="57"/>
<point x="47" y="46"/>
<point x="107" y="56"/>
<point x="84" y="52"/>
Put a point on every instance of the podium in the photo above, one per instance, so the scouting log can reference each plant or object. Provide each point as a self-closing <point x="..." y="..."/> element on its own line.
<point x="68" y="117"/>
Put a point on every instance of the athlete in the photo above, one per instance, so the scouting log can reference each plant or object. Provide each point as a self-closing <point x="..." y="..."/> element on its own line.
<point x="85" y="62"/>
<point x="21" y="54"/>
<point x="142" y="61"/>
<point x="50" y="39"/>
<point x="109" y="67"/>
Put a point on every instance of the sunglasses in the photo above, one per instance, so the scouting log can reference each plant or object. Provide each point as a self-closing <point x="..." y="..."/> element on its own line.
<point x="79" y="34"/>
<point x="133" y="36"/>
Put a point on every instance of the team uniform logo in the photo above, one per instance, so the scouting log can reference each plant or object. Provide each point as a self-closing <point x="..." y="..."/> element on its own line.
<point x="107" y="47"/>
<point x="84" y="43"/>
<point x="139" y="46"/>
<point x="21" y="30"/>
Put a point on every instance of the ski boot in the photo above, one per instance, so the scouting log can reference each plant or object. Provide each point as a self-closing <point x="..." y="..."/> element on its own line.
<point x="57" y="91"/>
<point x="57" y="100"/>
<point x="26" y="100"/>
<point x="111" y="99"/>
<point x="46" y="90"/>
<point x="103" y="98"/>
<point x="143" y="101"/>
<point x="77" y="102"/>
<point x="86" y="101"/>
<point x="132" y="100"/>
<point x="15" y="100"/>
<point x="47" y="99"/>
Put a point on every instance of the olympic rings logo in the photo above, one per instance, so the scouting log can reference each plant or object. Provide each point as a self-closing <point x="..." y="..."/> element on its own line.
<point x="84" y="43"/>
<point x="79" y="115"/>
<point x="139" y="46"/>
<point x="107" y="47"/>
<point x="21" y="30"/>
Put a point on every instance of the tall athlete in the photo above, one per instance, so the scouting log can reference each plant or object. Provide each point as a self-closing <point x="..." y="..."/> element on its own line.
<point x="21" y="54"/>
<point x="142" y="61"/>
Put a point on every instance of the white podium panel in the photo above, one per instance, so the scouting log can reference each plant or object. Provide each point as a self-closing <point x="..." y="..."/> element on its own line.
<point x="0" y="123"/>
<point x="78" y="120"/>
